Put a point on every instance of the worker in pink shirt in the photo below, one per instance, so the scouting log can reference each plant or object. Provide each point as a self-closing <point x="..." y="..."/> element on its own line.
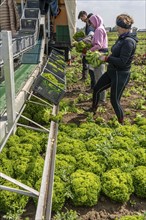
<point x="100" y="43"/>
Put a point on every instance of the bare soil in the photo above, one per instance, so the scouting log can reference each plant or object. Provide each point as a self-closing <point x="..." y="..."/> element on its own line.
<point x="108" y="113"/>
<point x="108" y="210"/>
<point x="104" y="210"/>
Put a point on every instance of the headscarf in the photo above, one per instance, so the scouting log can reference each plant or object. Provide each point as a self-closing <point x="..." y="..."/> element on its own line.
<point x="97" y="21"/>
<point x="122" y="24"/>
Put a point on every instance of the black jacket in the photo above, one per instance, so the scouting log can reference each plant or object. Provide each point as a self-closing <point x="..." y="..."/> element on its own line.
<point x="122" y="52"/>
<point x="88" y="28"/>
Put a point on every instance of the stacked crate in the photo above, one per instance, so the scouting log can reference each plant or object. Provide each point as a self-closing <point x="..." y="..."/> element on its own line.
<point x="29" y="27"/>
<point x="29" y="23"/>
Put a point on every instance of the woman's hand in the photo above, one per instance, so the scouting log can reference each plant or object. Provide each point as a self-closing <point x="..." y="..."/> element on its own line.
<point x="84" y="51"/>
<point x="103" y="58"/>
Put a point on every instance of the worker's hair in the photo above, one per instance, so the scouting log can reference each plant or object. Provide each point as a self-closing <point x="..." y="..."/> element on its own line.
<point x="82" y="13"/>
<point x="89" y="15"/>
<point x="128" y="20"/>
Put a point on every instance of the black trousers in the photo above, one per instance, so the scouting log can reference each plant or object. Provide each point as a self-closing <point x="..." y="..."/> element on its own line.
<point x="84" y="67"/>
<point x="117" y="81"/>
<point x="85" y="70"/>
<point x="92" y="78"/>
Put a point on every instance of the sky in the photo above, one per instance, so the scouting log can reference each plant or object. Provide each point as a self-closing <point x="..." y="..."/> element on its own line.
<point x="109" y="9"/>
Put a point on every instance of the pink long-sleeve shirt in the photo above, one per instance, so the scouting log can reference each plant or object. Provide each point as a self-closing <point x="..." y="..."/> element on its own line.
<point x="99" y="40"/>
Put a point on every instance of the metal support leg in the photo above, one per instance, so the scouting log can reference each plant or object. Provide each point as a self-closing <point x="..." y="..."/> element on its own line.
<point x="7" y="49"/>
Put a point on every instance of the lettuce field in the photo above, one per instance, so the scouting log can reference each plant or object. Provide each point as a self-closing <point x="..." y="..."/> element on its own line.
<point x="100" y="169"/>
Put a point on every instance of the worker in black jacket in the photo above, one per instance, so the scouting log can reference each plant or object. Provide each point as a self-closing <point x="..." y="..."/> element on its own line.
<point x="119" y="64"/>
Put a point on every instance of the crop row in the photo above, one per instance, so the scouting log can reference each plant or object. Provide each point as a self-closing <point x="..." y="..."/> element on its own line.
<point x="91" y="159"/>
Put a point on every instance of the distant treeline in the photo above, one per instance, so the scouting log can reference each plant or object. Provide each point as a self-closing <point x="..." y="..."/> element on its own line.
<point x="113" y="29"/>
